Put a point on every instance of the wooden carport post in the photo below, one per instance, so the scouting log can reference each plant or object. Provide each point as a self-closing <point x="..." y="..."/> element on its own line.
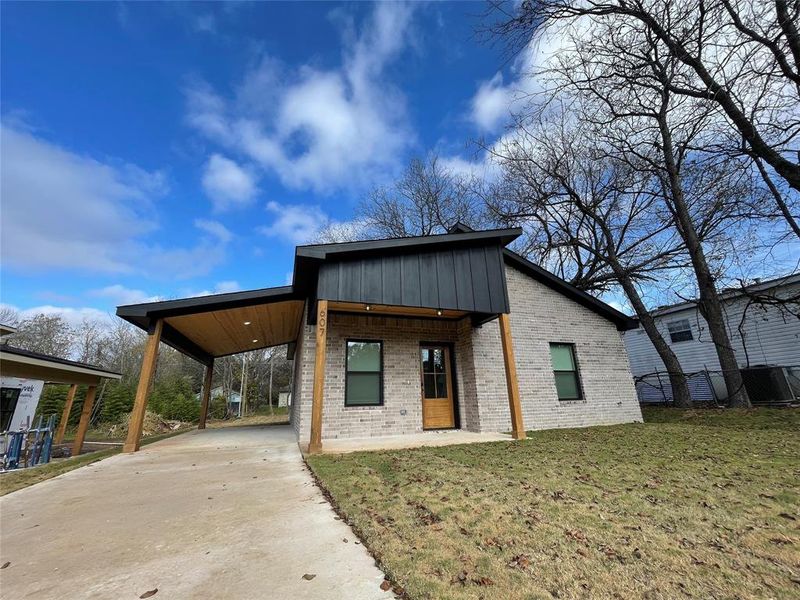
<point x="149" y="361"/>
<point x="83" y="425"/>
<point x="62" y="425"/>
<point x="206" y="394"/>
<point x="315" y="444"/>
<point x="517" y="428"/>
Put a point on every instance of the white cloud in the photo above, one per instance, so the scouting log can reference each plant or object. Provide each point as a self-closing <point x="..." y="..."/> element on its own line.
<point x="221" y="287"/>
<point x="295" y="223"/>
<point x="119" y="295"/>
<point x="482" y="167"/>
<point x="225" y="287"/>
<point x="65" y="211"/>
<point x="491" y="104"/>
<point x="227" y="184"/>
<point x="73" y="316"/>
<point x="214" y="228"/>
<point x="498" y="98"/>
<point x="313" y="128"/>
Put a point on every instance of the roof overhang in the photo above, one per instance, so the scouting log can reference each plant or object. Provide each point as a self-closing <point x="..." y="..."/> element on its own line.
<point x="15" y="362"/>
<point x="209" y="327"/>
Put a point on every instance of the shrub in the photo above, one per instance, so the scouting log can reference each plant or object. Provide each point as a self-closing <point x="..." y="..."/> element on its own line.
<point x="117" y="402"/>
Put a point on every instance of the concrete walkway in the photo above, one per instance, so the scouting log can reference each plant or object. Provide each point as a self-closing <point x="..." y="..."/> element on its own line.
<point x="226" y="514"/>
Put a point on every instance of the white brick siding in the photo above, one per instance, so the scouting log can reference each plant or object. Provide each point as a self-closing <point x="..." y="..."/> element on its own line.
<point x="401" y="411"/>
<point x="539" y="316"/>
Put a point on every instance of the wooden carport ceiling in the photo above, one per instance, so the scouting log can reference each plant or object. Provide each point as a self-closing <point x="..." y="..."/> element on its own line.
<point x="223" y="332"/>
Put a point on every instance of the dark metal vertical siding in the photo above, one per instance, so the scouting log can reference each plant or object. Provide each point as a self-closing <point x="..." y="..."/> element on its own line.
<point x="469" y="278"/>
<point x="411" y="294"/>
<point x="392" y="281"/>
<point x="428" y="282"/>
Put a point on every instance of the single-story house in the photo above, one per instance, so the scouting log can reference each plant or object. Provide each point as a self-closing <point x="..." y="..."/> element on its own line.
<point x="403" y="335"/>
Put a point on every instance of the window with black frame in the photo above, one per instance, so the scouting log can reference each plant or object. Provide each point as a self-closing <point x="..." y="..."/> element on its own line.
<point x="565" y="370"/>
<point x="364" y="373"/>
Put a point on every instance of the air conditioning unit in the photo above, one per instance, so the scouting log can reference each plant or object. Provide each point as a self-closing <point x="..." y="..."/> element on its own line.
<point x="769" y="385"/>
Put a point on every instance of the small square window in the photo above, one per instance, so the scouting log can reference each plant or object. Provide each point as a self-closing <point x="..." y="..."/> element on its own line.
<point x="680" y="331"/>
<point x="364" y="373"/>
<point x="565" y="371"/>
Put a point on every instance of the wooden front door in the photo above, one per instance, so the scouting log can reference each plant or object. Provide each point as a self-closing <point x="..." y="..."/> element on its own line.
<point x="437" y="388"/>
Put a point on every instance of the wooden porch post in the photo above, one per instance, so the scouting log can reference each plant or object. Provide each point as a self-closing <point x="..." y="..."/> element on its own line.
<point x="517" y="428"/>
<point x="83" y="425"/>
<point x="62" y="425"/>
<point x="315" y="444"/>
<point x="206" y="394"/>
<point x="143" y="390"/>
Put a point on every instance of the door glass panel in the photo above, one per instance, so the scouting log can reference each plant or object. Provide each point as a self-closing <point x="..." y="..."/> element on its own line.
<point x="441" y="385"/>
<point x="427" y="366"/>
<point x="438" y="360"/>
<point x="429" y="384"/>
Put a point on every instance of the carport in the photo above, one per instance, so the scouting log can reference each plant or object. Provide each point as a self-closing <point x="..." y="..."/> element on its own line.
<point x="210" y="327"/>
<point x="25" y="364"/>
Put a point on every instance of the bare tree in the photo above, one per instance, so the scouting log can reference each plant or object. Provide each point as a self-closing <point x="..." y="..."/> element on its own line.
<point x="622" y="81"/>
<point x="45" y="333"/>
<point x="89" y="337"/>
<point x="587" y="208"/>
<point x="428" y="198"/>
<point x="741" y="56"/>
<point x="8" y="316"/>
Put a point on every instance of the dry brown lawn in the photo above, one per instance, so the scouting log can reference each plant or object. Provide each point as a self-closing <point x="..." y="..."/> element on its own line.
<point x="704" y="504"/>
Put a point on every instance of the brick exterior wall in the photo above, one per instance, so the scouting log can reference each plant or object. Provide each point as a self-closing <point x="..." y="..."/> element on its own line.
<point x="401" y="411"/>
<point x="539" y="316"/>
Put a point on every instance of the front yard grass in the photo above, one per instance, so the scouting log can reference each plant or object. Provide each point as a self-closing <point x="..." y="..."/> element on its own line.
<point x="698" y="504"/>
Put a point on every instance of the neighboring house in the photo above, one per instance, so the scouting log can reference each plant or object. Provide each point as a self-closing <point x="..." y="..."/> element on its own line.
<point x="232" y="400"/>
<point x="404" y="335"/>
<point x="765" y="337"/>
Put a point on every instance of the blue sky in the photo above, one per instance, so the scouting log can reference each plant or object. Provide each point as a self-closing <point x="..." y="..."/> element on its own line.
<point x="165" y="150"/>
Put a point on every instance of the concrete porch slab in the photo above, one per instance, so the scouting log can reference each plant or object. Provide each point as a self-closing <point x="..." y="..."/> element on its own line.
<point x="414" y="440"/>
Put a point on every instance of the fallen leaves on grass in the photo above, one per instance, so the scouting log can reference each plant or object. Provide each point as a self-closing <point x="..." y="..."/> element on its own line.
<point x="612" y="508"/>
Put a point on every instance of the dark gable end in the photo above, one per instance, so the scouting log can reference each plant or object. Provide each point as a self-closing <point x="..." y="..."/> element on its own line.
<point x="621" y="320"/>
<point x="467" y="278"/>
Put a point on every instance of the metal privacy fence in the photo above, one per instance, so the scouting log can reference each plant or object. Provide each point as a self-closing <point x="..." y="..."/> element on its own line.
<point x="766" y="386"/>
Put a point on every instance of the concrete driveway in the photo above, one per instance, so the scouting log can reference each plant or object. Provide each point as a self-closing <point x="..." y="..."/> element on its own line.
<point x="225" y="514"/>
